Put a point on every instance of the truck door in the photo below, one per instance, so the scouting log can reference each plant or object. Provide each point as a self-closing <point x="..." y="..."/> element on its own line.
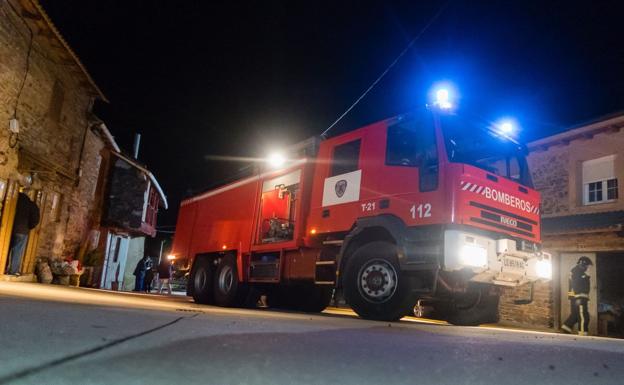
<point x="412" y="172"/>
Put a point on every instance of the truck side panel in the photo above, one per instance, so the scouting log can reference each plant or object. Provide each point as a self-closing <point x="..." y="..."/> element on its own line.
<point x="225" y="220"/>
<point x="184" y="230"/>
<point x="222" y="220"/>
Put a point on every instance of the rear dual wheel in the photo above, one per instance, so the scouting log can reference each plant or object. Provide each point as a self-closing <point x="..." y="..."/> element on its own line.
<point x="228" y="290"/>
<point x="201" y="281"/>
<point x="218" y="284"/>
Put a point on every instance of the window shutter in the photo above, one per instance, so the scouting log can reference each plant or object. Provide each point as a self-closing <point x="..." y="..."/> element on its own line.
<point x="599" y="169"/>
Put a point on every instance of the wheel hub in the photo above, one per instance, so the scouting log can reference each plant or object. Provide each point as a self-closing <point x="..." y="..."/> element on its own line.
<point x="377" y="280"/>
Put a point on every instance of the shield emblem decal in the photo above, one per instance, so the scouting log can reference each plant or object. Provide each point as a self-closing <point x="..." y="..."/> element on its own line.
<point x="340" y="187"/>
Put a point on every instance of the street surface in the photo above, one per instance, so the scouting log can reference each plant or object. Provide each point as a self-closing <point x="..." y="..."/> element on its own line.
<point x="60" y="335"/>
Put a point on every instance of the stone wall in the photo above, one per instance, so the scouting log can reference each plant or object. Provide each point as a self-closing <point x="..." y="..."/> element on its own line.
<point x="549" y="170"/>
<point x="537" y="314"/>
<point x="53" y="112"/>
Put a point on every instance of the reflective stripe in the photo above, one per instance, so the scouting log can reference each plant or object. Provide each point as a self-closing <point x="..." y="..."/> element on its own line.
<point x="582" y="295"/>
<point x="582" y="323"/>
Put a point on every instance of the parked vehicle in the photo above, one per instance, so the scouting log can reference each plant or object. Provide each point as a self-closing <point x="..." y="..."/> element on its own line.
<point x="424" y="206"/>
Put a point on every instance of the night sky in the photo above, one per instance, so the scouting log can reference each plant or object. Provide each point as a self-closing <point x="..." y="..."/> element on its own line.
<point x="200" y="78"/>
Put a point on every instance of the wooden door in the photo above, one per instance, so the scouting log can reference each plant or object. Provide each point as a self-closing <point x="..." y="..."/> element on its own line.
<point x="9" y="203"/>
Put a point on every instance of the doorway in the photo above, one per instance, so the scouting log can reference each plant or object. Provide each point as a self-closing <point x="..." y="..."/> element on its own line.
<point x="609" y="268"/>
<point x="9" y="193"/>
<point x="115" y="261"/>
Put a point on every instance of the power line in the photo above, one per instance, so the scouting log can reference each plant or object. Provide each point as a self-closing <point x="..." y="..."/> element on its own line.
<point x="407" y="48"/>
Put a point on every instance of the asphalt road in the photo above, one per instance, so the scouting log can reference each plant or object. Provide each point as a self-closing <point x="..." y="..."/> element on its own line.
<point x="57" y="335"/>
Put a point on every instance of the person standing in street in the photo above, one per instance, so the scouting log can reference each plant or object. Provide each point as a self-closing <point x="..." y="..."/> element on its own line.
<point x="165" y="270"/>
<point x="579" y="297"/>
<point x="26" y="219"/>
<point x="139" y="272"/>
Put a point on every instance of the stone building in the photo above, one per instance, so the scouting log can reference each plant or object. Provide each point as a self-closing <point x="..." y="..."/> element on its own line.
<point x="129" y="197"/>
<point x="46" y="138"/>
<point x="91" y="196"/>
<point x="577" y="173"/>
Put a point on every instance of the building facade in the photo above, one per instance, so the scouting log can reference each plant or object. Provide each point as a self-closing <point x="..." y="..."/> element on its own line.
<point x="92" y="198"/>
<point x="578" y="173"/>
<point x="47" y="145"/>
<point x="130" y="199"/>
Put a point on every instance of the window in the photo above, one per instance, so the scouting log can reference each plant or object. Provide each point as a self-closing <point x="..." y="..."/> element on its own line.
<point x="346" y="158"/>
<point x="599" y="182"/>
<point x="410" y="146"/>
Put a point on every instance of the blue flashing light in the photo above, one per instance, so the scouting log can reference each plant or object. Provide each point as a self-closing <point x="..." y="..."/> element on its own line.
<point x="506" y="127"/>
<point x="442" y="99"/>
<point x="443" y="95"/>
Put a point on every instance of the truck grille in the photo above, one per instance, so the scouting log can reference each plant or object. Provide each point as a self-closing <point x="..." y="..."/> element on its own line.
<point x="501" y="219"/>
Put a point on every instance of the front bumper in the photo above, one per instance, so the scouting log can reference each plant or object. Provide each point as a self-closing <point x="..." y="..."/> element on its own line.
<point x="495" y="261"/>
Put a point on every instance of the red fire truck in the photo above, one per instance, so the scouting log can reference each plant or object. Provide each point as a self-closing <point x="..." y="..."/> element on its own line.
<point x="426" y="206"/>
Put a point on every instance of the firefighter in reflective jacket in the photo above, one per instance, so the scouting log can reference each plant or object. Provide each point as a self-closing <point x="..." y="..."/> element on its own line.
<point x="579" y="296"/>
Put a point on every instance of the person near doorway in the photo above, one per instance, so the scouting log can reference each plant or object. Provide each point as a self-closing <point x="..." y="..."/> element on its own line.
<point x="149" y="278"/>
<point x="165" y="270"/>
<point x="26" y="218"/>
<point x="579" y="297"/>
<point x="140" y="270"/>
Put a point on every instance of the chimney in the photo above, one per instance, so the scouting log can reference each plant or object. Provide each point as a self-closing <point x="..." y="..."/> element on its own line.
<point x="135" y="147"/>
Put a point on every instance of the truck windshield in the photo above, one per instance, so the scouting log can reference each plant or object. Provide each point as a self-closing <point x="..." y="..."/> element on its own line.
<point x="472" y="142"/>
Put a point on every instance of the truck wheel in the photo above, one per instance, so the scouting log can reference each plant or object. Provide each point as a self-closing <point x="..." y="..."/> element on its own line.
<point x="314" y="299"/>
<point x="373" y="284"/>
<point x="283" y="297"/>
<point x="228" y="291"/>
<point x="201" y="281"/>
<point x="306" y="298"/>
<point x="474" y="308"/>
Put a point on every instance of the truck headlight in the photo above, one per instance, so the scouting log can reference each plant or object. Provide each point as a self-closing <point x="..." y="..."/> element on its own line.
<point x="543" y="269"/>
<point x="473" y="255"/>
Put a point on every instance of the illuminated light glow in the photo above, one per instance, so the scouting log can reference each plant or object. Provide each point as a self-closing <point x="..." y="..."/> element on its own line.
<point x="473" y="255"/>
<point x="543" y="269"/>
<point x="276" y="160"/>
<point x="224" y="247"/>
<point x="443" y="99"/>
<point x="313" y="231"/>
<point x="506" y="127"/>
<point x="171" y="257"/>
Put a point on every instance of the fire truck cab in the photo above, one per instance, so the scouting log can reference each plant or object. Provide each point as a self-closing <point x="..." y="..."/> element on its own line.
<point x="421" y="207"/>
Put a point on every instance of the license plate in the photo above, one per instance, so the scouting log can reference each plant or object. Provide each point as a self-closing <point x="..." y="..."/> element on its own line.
<point x="513" y="264"/>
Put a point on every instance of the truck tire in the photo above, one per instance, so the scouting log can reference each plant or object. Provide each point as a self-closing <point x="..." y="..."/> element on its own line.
<point x="314" y="299"/>
<point x="284" y="297"/>
<point x="374" y="285"/>
<point x="306" y="298"/>
<point x="201" y="281"/>
<point x="228" y="291"/>
<point x="476" y="307"/>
